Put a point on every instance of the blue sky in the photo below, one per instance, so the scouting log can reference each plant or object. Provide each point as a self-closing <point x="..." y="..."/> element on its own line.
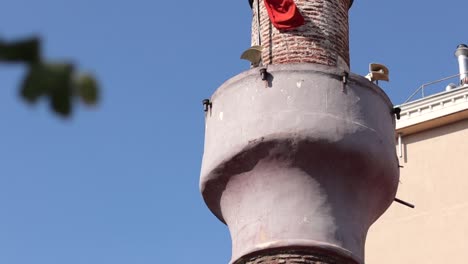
<point x="119" y="183"/>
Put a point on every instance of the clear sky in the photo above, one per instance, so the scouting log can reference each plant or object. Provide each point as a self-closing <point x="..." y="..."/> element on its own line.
<point x="119" y="183"/>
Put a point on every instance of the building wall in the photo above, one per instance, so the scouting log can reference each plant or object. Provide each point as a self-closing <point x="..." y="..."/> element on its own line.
<point x="435" y="179"/>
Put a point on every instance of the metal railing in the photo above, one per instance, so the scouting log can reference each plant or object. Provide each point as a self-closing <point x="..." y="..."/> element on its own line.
<point x="422" y="87"/>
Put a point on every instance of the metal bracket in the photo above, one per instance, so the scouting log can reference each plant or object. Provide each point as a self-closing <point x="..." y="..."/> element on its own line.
<point x="396" y="111"/>
<point x="207" y="104"/>
<point x="345" y="78"/>
<point x="264" y="75"/>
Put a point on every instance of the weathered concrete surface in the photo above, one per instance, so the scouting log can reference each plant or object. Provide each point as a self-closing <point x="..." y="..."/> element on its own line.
<point x="301" y="163"/>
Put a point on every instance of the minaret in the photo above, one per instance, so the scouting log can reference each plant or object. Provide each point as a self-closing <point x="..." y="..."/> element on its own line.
<point x="299" y="155"/>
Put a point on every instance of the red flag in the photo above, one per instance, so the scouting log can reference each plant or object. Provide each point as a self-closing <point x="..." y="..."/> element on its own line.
<point x="284" y="14"/>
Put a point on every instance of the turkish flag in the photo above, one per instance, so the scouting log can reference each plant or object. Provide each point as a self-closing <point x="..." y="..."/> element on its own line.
<point x="284" y="14"/>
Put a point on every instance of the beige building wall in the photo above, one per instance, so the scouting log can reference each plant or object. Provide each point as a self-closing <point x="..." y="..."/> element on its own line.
<point x="435" y="179"/>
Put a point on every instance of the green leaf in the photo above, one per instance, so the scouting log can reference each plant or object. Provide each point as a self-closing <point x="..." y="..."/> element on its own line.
<point x="27" y="50"/>
<point x="60" y="101"/>
<point x="52" y="80"/>
<point x="87" y="89"/>
<point x="33" y="85"/>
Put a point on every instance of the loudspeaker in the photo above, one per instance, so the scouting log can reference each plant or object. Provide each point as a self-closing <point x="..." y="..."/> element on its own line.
<point x="378" y="72"/>
<point x="253" y="54"/>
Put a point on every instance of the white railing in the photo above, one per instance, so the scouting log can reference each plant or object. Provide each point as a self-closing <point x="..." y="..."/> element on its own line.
<point x="435" y="106"/>
<point x="422" y="87"/>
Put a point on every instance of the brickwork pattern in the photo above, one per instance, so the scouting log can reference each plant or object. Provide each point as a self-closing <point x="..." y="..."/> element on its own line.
<point x="293" y="257"/>
<point x="324" y="39"/>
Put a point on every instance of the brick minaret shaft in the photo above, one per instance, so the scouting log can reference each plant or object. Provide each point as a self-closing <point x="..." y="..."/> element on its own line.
<point x="299" y="157"/>
<point x="324" y="39"/>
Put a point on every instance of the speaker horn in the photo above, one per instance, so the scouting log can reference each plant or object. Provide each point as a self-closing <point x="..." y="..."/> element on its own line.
<point x="378" y="72"/>
<point x="253" y="54"/>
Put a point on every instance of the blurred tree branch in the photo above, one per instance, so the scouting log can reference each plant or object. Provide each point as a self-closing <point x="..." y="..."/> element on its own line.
<point x="58" y="82"/>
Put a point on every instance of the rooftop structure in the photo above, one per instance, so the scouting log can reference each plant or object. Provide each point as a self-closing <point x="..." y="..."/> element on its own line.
<point x="433" y="152"/>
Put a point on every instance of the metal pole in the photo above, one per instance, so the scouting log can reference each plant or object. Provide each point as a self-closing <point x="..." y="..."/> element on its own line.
<point x="404" y="203"/>
<point x="258" y="23"/>
<point x="259" y="31"/>
<point x="400" y="146"/>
